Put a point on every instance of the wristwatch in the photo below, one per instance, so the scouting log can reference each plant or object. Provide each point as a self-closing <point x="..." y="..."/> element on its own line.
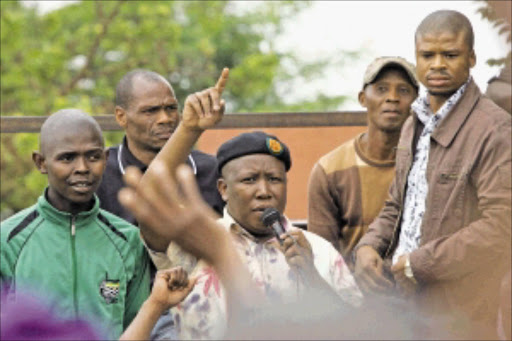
<point x="408" y="270"/>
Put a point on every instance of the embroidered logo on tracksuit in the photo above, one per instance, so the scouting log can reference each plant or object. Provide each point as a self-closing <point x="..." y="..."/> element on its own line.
<point x="109" y="289"/>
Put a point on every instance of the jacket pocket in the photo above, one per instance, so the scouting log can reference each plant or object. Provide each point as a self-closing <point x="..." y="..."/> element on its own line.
<point x="448" y="196"/>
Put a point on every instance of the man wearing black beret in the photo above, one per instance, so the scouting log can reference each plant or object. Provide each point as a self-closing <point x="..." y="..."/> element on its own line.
<point x="252" y="169"/>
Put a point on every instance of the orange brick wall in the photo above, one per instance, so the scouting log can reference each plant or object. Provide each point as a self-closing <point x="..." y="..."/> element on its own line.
<point x="307" y="145"/>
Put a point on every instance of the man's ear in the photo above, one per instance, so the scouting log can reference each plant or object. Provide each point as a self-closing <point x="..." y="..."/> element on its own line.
<point x="120" y="116"/>
<point x="222" y="188"/>
<point x="39" y="161"/>
<point x="472" y="58"/>
<point x="362" y="98"/>
<point x="107" y="152"/>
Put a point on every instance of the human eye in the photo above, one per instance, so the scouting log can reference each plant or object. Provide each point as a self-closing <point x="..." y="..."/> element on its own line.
<point x="404" y="90"/>
<point x="451" y="55"/>
<point x="248" y="179"/>
<point x="151" y="110"/>
<point x="381" y="88"/>
<point x="276" y="179"/>
<point x="426" y="55"/>
<point x="171" y="108"/>
<point x="95" y="156"/>
<point x="66" y="157"/>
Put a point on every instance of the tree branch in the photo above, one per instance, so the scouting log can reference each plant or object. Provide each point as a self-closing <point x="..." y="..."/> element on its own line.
<point x="99" y="9"/>
<point x="92" y="52"/>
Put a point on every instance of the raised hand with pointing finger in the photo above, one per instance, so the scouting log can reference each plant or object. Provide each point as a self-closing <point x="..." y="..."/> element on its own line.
<point x="203" y="110"/>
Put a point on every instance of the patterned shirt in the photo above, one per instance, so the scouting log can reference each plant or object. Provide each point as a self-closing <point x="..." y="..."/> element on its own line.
<point x="417" y="186"/>
<point x="202" y="315"/>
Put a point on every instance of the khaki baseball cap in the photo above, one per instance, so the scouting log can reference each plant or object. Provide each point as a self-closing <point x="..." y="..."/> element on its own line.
<point x="379" y="63"/>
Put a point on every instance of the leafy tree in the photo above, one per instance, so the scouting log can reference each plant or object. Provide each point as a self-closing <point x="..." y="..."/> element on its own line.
<point x="74" y="56"/>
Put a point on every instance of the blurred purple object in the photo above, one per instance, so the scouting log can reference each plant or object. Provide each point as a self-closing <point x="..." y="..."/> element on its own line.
<point x="28" y="318"/>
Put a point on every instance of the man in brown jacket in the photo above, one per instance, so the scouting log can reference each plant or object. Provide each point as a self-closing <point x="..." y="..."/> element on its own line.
<point x="443" y="236"/>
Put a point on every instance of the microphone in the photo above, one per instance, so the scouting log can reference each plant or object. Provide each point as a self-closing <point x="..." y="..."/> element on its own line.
<point x="271" y="218"/>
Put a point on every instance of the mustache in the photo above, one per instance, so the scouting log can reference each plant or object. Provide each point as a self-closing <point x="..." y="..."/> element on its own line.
<point x="169" y="129"/>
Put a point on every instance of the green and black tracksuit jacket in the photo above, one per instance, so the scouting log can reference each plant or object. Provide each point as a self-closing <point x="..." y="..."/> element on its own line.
<point x="92" y="265"/>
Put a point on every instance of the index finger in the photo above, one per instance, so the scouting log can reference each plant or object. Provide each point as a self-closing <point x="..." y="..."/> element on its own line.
<point x="299" y="237"/>
<point x="221" y="83"/>
<point x="288" y="241"/>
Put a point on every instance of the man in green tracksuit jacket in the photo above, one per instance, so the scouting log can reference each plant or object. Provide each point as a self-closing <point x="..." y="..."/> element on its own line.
<point x="87" y="262"/>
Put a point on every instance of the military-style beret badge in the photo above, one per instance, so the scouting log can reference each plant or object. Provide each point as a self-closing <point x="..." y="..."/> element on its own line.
<point x="255" y="142"/>
<point x="274" y="146"/>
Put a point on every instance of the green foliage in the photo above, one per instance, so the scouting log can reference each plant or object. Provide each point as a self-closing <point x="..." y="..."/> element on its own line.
<point x="74" y="56"/>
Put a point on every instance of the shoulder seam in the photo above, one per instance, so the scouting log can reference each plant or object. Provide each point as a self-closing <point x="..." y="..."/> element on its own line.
<point x="22" y="247"/>
<point x="23" y="224"/>
<point x="121" y="255"/>
<point x="105" y="221"/>
<point x="340" y="158"/>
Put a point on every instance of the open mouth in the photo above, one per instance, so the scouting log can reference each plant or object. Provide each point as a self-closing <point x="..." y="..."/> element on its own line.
<point x="82" y="187"/>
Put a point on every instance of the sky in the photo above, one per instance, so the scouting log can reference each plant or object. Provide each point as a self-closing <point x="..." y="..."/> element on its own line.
<point x="378" y="28"/>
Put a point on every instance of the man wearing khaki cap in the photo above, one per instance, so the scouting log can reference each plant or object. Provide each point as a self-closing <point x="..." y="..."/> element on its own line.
<point x="348" y="185"/>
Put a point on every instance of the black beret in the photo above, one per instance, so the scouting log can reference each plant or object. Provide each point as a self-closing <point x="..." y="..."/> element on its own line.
<point x="256" y="142"/>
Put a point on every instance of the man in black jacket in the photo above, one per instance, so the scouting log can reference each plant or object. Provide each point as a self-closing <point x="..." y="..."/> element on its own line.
<point x="147" y="110"/>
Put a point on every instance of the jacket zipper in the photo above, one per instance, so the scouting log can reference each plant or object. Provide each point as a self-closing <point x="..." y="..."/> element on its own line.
<point x="73" y="258"/>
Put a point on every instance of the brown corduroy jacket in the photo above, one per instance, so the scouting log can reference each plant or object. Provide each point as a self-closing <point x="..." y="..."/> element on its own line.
<point x="466" y="229"/>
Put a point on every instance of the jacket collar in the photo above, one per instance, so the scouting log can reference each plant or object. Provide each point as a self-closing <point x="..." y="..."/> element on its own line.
<point x="48" y="211"/>
<point x="452" y="123"/>
<point x="128" y="159"/>
<point x="125" y="158"/>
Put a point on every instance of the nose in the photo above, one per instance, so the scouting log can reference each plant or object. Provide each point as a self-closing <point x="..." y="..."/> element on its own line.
<point x="263" y="189"/>
<point x="438" y="62"/>
<point x="393" y="95"/>
<point x="81" y="165"/>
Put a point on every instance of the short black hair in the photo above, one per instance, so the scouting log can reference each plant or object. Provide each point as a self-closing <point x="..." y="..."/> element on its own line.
<point x="447" y="20"/>
<point x="61" y="121"/>
<point x="124" y="87"/>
